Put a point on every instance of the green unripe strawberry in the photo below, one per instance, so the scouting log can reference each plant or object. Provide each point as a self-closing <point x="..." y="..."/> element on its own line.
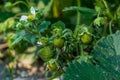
<point x="58" y="42"/>
<point x="52" y="66"/>
<point x="57" y="32"/>
<point x="43" y="41"/>
<point x="86" y="38"/>
<point x="46" y="53"/>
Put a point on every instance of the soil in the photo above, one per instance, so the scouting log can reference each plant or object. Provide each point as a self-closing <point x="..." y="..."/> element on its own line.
<point x="28" y="72"/>
<point x="36" y="71"/>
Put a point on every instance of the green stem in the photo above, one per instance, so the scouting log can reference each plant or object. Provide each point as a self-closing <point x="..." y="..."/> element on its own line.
<point x="59" y="52"/>
<point x="78" y="13"/>
<point x="110" y="28"/>
<point x="77" y="50"/>
<point x="27" y="1"/>
<point x="108" y="10"/>
<point x="105" y="3"/>
<point x="104" y="30"/>
<point x="98" y="14"/>
<point x="81" y="47"/>
<point x="22" y="2"/>
<point x="19" y="14"/>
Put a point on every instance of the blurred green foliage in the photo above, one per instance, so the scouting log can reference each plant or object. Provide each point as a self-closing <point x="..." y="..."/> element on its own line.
<point x="61" y="30"/>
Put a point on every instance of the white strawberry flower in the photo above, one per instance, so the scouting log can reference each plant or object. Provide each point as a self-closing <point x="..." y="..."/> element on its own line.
<point x="32" y="10"/>
<point x="24" y="17"/>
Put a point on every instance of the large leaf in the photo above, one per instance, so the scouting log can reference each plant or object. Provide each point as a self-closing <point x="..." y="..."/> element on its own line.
<point x="107" y="52"/>
<point x="107" y="62"/>
<point x="83" y="71"/>
<point x="83" y="10"/>
<point x="59" y="25"/>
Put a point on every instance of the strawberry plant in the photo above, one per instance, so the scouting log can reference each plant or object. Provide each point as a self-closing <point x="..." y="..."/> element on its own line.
<point x="68" y="36"/>
<point x="104" y="65"/>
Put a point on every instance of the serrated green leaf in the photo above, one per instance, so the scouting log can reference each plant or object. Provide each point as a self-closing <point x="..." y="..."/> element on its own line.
<point x="107" y="52"/>
<point x="83" y="71"/>
<point x="107" y="62"/>
<point x="82" y="10"/>
<point x="30" y="38"/>
<point x="19" y="37"/>
<point x="59" y="25"/>
<point x="44" y="26"/>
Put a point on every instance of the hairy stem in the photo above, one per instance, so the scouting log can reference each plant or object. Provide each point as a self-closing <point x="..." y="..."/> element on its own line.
<point x="81" y="47"/>
<point x="110" y="28"/>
